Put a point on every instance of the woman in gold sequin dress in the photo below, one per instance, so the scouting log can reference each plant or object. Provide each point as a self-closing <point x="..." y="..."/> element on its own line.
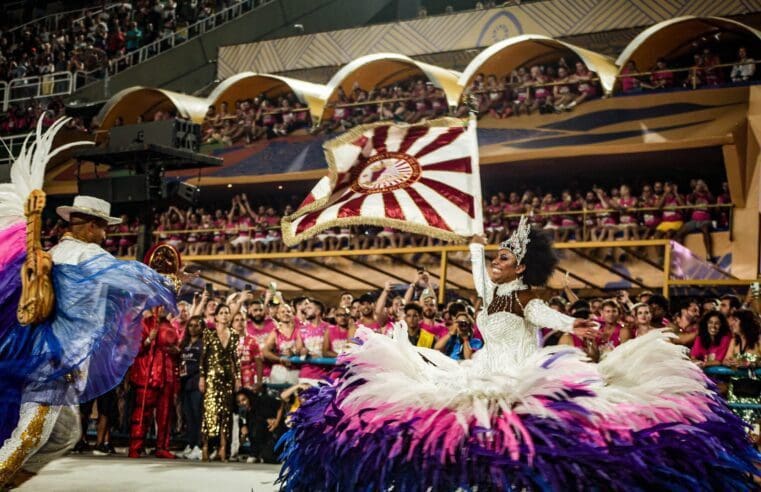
<point x="220" y="377"/>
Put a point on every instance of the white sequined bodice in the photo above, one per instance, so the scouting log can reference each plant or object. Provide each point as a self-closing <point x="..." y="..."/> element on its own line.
<point x="509" y="339"/>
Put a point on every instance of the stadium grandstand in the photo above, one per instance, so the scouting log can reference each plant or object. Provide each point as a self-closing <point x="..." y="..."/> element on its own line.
<point x="625" y="131"/>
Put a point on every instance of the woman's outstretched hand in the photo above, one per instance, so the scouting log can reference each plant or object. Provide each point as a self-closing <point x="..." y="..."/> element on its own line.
<point x="586" y="329"/>
<point x="478" y="239"/>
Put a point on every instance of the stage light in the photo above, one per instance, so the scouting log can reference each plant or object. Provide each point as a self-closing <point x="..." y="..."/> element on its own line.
<point x="229" y="185"/>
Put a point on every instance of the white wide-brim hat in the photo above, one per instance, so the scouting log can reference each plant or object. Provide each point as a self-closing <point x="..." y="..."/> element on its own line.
<point x="88" y="205"/>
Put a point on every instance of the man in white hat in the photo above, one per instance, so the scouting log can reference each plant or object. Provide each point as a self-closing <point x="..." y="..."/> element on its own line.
<point x="88" y="218"/>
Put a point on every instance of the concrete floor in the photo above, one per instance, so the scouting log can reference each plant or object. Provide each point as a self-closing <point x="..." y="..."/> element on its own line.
<point x="106" y="474"/>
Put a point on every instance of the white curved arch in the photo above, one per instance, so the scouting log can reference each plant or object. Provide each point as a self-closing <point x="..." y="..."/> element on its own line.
<point x="601" y="64"/>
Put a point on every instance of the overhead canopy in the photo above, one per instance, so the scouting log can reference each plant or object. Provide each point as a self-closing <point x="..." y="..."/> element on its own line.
<point x="250" y="84"/>
<point x="384" y="69"/>
<point x="138" y="101"/>
<point x="529" y="49"/>
<point x="675" y="37"/>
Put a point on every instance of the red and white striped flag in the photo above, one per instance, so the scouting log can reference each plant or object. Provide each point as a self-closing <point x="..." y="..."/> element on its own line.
<point x="421" y="178"/>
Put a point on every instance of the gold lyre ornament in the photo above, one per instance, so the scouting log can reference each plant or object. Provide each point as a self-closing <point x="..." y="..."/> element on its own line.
<point x="37" y="296"/>
<point x="165" y="259"/>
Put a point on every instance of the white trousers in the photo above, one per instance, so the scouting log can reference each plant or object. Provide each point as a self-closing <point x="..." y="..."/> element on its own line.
<point x="43" y="433"/>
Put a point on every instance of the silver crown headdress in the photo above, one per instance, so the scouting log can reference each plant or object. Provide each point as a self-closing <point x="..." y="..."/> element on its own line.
<point x="517" y="243"/>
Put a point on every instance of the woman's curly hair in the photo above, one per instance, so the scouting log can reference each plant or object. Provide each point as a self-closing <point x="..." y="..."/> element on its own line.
<point x="540" y="259"/>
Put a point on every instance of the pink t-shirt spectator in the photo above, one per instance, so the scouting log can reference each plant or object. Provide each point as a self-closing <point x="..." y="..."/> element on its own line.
<point x="312" y="337"/>
<point x="609" y="342"/>
<point x="605" y="218"/>
<point x="715" y="352"/>
<point x="700" y="214"/>
<point x="339" y="338"/>
<point x="513" y="209"/>
<point x="271" y="220"/>
<point x="666" y="77"/>
<point x="629" y="84"/>
<point x="372" y="326"/>
<point x="244" y="226"/>
<point x="650" y="218"/>
<point x="625" y="216"/>
<point x="671" y="215"/>
<point x="283" y="342"/>
<point x="260" y="335"/>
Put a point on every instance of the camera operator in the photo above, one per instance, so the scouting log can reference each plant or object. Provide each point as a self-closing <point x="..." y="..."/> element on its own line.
<point x="459" y="343"/>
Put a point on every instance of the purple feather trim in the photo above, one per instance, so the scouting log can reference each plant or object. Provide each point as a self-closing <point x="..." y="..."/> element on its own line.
<point x="332" y="447"/>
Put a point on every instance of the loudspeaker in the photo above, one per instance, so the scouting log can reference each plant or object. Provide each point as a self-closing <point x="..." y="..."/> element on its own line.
<point x="176" y="133"/>
<point x="183" y="191"/>
<point x="123" y="189"/>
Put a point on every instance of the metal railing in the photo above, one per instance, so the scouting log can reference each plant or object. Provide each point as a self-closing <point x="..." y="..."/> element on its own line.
<point x="51" y="21"/>
<point x="10" y="147"/>
<point x="693" y="79"/>
<point x="587" y="213"/>
<point x="3" y="94"/>
<point x="37" y="87"/>
<point x="169" y="41"/>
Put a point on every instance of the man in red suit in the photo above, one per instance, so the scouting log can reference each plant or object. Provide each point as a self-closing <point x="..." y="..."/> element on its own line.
<point x="155" y="379"/>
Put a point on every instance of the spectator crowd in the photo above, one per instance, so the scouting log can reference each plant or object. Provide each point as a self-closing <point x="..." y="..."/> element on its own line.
<point x="85" y="43"/>
<point x="706" y="70"/>
<point x="656" y="210"/>
<point x="103" y="38"/>
<point x="406" y="101"/>
<point x="551" y="88"/>
<point x="230" y="366"/>
<point x="254" y="119"/>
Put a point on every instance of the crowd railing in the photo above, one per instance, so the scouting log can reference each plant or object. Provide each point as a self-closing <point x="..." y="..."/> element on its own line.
<point x="584" y="213"/>
<point x="10" y="147"/>
<point x="732" y="372"/>
<point x="52" y="21"/>
<point x="528" y="87"/>
<point x="4" y="94"/>
<point x="692" y="80"/>
<point x="37" y="87"/>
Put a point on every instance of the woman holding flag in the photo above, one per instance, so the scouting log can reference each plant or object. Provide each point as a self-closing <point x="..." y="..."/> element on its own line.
<point x="516" y="416"/>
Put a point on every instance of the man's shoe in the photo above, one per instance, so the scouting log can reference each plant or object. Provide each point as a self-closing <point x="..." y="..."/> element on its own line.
<point x="164" y="454"/>
<point x="101" y="450"/>
<point x="195" y="454"/>
<point x="110" y="447"/>
<point x="186" y="451"/>
<point x="82" y="447"/>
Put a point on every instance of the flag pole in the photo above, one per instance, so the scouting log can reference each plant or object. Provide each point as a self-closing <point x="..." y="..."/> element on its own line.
<point x="475" y="164"/>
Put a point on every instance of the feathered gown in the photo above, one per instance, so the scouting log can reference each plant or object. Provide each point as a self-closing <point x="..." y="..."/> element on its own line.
<point x="516" y="417"/>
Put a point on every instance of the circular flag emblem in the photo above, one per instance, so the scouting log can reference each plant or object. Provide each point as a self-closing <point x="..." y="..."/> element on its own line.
<point x="386" y="171"/>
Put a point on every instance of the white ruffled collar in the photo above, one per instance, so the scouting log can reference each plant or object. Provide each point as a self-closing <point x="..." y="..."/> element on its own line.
<point x="510" y="287"/>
